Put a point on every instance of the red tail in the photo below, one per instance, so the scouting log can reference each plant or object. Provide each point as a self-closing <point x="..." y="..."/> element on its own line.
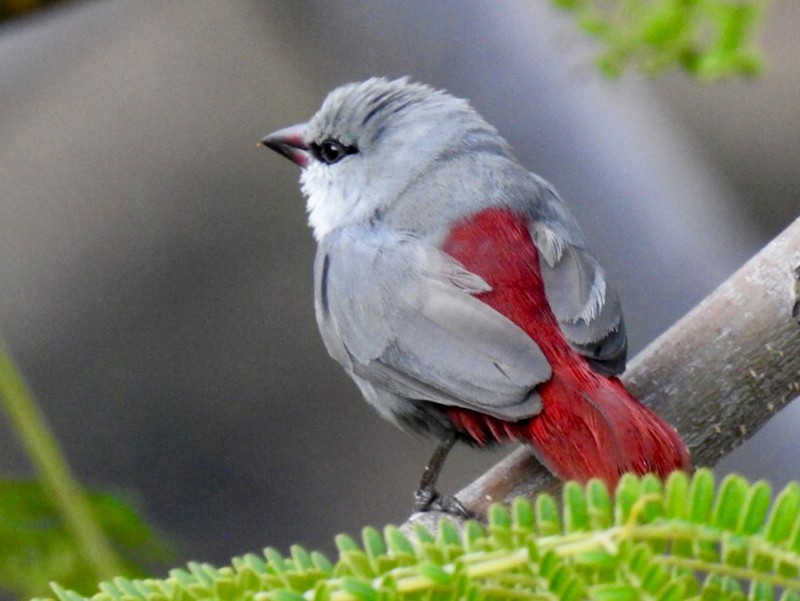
<point x="609" y="431"/>
<point x="590" y="425"/>
<point x="582" y="434"/>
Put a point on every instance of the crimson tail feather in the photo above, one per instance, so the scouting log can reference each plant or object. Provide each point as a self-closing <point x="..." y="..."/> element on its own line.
<point x="581" y="435"/>
<point x="602" y="434"/>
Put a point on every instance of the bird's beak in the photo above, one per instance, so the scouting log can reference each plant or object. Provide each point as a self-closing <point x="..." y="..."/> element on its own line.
<point x="289" y="142"/>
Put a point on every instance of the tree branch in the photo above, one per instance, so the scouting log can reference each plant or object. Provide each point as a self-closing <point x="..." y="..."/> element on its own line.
<point x="717" y="375"/>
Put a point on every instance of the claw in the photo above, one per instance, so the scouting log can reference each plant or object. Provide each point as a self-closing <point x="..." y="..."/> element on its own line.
<point x="428" y="499"/>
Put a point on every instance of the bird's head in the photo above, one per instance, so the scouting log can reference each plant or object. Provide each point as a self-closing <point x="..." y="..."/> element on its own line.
<point x="370" y="141"/>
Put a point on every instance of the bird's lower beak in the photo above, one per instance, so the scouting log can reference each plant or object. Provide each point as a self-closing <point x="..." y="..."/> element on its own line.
<point x="289" y="142"/>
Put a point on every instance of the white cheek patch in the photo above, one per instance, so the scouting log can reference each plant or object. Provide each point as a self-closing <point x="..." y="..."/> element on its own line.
<point x="335" y="196"/>
<point x="322" y="211"/>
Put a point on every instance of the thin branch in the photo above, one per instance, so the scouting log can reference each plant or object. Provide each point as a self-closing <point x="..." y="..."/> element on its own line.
<point x="717" y="375"/>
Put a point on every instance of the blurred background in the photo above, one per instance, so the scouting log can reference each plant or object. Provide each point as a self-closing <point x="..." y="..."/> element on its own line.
<point x="155" y="265"/>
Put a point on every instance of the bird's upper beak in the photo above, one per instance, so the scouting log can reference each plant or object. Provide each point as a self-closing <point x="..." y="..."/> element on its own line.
<point x="289" y="142"/>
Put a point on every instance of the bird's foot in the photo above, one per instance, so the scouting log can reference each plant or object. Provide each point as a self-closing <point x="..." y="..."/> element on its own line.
<point x="428" y="499"/>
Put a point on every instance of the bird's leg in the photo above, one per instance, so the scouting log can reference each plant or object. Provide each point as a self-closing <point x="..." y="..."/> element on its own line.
<point x="426" y="498"/>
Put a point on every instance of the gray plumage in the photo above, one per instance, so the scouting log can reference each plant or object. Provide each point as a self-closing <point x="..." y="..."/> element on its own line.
<point x="398" y="313"/>
<point x="401" y="314"/>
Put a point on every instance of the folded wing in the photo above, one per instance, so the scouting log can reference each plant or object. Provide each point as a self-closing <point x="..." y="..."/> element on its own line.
<point x="586" y="306"/>
<point x="403" y="314"/>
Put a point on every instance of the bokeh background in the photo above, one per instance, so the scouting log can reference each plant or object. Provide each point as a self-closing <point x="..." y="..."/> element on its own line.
<point x="155" y="265"/>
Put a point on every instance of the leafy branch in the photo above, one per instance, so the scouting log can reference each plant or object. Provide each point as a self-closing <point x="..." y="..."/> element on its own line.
<point x="710" y="39"/>
<point x="688" y="538"/>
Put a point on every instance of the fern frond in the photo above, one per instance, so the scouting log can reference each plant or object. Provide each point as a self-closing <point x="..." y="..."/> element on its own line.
<point x="686" y="538"/>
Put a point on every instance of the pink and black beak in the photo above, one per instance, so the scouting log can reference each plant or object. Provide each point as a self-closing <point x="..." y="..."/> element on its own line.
<point x="289" y="142"/>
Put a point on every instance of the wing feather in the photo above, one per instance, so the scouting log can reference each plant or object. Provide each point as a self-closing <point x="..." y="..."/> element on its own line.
<point x="402" y="313"/>
<point x="586" y="306"/>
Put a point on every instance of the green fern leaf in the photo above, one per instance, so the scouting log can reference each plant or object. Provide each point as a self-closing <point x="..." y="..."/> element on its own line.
<point x="721" y="543"/>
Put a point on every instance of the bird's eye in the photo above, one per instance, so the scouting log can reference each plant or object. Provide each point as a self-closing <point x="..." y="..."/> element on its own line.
<point x="330" y="151"/>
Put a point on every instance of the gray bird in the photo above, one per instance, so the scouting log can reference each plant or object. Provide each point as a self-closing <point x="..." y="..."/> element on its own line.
<point x="458" y="292"/>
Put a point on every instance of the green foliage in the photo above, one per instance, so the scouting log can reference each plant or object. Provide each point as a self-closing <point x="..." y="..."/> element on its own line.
<point x="36" y="547"/>
<point x="686" y="539"/>
<point x="52" y="529"/>
<point x="710" y="39"/>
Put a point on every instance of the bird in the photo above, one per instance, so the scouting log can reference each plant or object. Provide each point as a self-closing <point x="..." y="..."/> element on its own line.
<point x="458" y="292"/>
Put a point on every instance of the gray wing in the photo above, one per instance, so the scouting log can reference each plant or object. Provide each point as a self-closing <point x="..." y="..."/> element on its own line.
<point x="587" y="308"/>
<point x="403" y="315"/>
